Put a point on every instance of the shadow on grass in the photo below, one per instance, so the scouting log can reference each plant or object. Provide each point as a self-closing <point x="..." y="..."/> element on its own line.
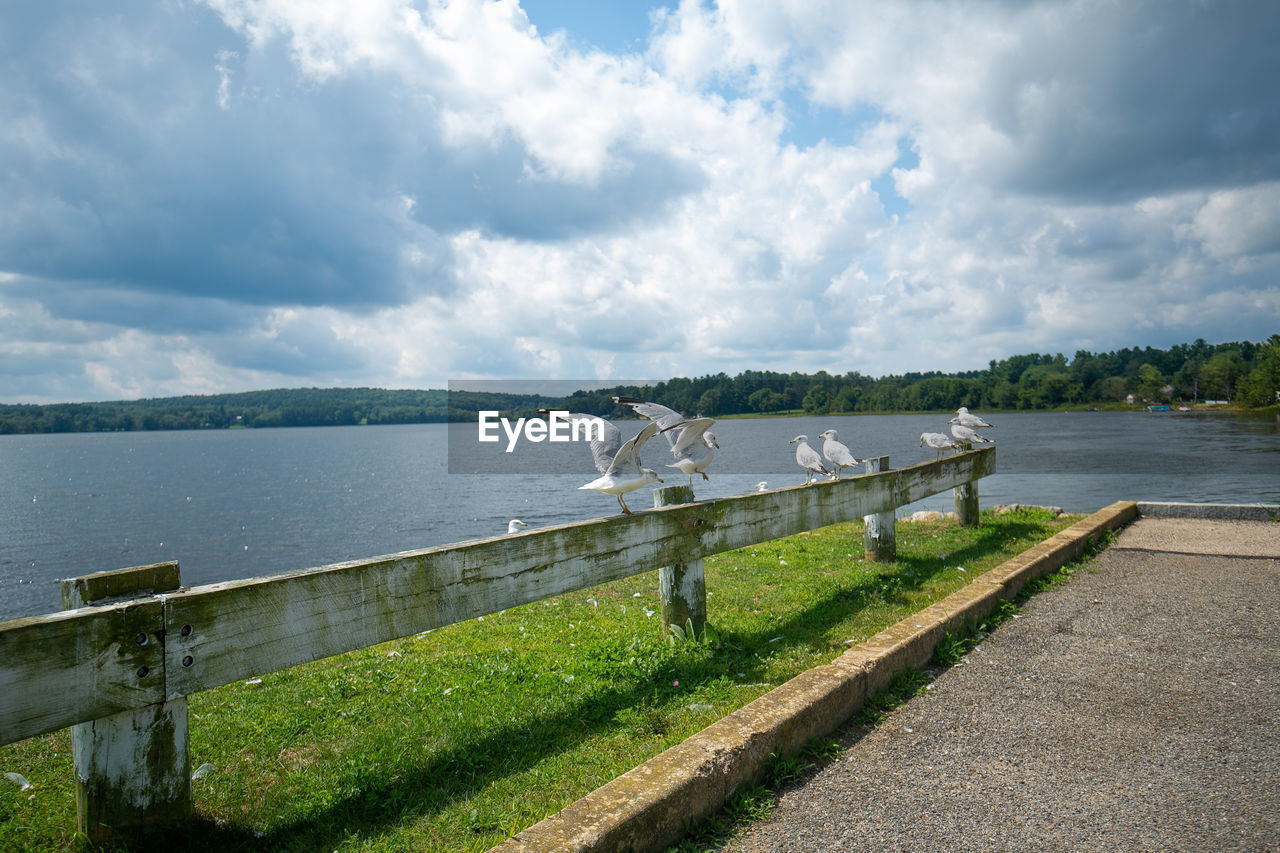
<point x="382" y="797"/>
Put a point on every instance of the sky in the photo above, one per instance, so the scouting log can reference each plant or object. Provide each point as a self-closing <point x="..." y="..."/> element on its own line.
<point x="203" y="196"/>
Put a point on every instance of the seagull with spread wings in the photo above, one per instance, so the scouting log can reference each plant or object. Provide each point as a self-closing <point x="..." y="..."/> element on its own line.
<point x="618" y="463"/>
<point x="693" y="447"/>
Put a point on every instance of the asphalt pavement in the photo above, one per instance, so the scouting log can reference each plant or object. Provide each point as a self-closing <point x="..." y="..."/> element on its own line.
<point x="1136" y="707"/>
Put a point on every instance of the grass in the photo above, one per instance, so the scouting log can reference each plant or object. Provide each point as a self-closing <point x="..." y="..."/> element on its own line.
<point x="457" y="738"/>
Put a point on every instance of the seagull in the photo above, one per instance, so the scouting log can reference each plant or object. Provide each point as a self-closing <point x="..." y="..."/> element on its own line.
<point x="694" y="446"/>
<point x="967" y="438"/>
<point x="938" y="442"/>
<point x="762" y="486"/>
<point x="963" y="418"/>
<point x="837" y="454"/>
<point x="514" y="525"/>
<point x="618" y="463"/>
<point x="808" y="458"/>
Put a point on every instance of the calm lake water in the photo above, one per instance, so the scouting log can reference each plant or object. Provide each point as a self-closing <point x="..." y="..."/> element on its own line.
<point x="239" y="503"/>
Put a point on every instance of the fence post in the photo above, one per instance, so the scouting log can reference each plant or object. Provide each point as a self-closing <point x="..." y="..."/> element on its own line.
<point x="880" y="539"/>
<point x="133" y="769"/>
<point x="966" y="500"/>
<point x="682" y="589"/>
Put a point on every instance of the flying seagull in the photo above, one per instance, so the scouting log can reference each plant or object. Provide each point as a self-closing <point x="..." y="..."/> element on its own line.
<point x="836" y="453"/>
<point x="808" y="458"/>
<point x="618" y="463"/>
<point x="693" y="446"/>
<point x="967" y="438"/>
<point x="938" y="442"/>
<point x="963" y="418"/>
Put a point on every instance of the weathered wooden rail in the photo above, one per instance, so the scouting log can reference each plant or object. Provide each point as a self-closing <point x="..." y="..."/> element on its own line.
<point x="119" y="669"/>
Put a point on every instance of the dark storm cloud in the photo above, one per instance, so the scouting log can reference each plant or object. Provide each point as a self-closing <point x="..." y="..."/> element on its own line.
<point x="162" y="313"/>
<point x="1124" y="100"/>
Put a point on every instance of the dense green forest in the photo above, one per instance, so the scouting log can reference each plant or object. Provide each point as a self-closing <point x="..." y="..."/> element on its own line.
<point x="1242" y="373"/>
<point x="278" y="407"/>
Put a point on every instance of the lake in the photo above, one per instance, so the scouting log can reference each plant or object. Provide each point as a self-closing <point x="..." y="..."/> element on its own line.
<point x="238" y="503"/>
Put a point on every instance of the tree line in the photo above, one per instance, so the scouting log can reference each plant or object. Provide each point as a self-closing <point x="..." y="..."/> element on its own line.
<point x="273" y="408"/>
<point x="1242" y="373"/>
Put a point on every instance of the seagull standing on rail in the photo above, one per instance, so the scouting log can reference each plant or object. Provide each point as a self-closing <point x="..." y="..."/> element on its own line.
<point x="836" y="453"/>
<point x="967" y="437"/>
<point x="963" y="418"/>
<point x="618" y="463"/>
<point x="693" y="447"/>
<point x="938" y="442"/>
<point x="808" y="458"/>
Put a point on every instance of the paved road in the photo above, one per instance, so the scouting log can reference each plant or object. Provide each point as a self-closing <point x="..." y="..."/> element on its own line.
<point x="1135" y="708"/>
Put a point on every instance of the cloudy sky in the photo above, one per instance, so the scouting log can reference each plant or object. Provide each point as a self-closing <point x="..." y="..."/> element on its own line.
<point x="200" y="196"/>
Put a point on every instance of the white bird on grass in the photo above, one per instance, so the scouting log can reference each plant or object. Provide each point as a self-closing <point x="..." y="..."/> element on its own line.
<point x="836" y="453"/>
<point x="618" y="463"/>
<point x="808" y="458"/>
<point x="938" y="442"/>
<point x="967" y="438"/>
<point x="963" y="418"/>
<point x="514" y="525"/>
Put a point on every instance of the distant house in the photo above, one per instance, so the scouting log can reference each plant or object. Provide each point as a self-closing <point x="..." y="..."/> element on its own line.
<point x="1216" y="402"/>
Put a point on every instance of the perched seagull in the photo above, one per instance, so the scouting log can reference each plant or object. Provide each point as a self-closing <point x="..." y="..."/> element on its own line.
<point x="836" y="453"/>
<point x="967" y="438"/>
<point x="762" y="486"/>
<point x="938" y="442"/>
<point x="618" y="463"/>
<point x="963" y="418"/>
<point x="514" y="525"/>
<point x="694" y="446"/>
<point x="808" y="458"/>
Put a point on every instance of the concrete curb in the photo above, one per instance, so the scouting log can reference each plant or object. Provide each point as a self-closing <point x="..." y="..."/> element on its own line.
<point x="1228" y="512"/>
<point x="655" y="804"/>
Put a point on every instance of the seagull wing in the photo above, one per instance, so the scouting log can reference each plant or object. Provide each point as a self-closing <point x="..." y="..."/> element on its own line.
<point x="965" y="435"/>
<point x="838" y="453"/>
<point x="690" y="437"/>
<point x="665" y="418"/>
<point x="604" y="448"/>
<point x="627" y="460"/>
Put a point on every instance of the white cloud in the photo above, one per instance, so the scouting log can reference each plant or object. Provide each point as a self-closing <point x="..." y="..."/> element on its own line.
<point x="1240" y="221"/>
<point x="277" y="192"/>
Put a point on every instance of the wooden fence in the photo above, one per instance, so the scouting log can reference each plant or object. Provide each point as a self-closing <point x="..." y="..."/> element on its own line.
<point x="118" y="665"/>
